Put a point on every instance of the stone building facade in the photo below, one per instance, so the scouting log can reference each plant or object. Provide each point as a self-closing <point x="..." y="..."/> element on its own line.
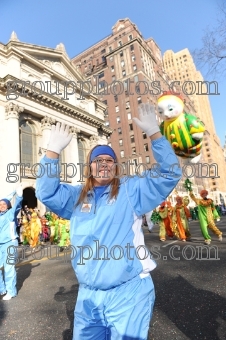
<point x="35" y="83"/>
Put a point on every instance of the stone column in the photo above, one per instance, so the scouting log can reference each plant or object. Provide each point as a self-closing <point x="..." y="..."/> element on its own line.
<point x="94" y="140"/>
<point x="12" y="144"/>
<point x="71" y="156"/>
<point x="46" y="124"/>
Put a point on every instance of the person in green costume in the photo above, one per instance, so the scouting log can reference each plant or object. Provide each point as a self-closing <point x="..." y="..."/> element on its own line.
<point x="207" y="214"/>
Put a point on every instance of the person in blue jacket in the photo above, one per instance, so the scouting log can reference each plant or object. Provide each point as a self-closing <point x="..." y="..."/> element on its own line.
<point x="8" y="238"/>
<point x="116" y="292"/>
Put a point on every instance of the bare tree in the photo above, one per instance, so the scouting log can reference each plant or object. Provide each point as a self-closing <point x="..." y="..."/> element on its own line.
<point x="212" y="55"/>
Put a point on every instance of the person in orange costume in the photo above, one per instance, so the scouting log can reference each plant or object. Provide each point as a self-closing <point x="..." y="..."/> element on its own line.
<point x="166" y="222"/>
<point x="180" y="220"/>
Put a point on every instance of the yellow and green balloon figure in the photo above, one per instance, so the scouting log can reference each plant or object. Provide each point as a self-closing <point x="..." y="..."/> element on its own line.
<point x="184" y="131"/>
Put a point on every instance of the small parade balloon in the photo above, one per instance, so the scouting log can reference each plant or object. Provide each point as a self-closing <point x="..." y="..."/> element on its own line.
<point x="184" y="131"/>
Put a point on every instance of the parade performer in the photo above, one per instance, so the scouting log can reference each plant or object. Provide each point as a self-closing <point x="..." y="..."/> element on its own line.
<point x="166" y="222"/>
<point x="9" y="237"/>
<point x="181" y="215"/>
<point x="36" y="229"/>
<point x="116" y="297"/>
<point x="184" y="131"/>
<point x="207" y="213"/>
<point x="26" y="231"/>
<point x="64" y="233"/>
<point x="45" y="230"/>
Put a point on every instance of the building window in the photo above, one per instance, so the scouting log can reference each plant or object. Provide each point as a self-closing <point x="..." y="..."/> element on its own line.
<point x="133" y="58"/>
<point x="131" y="127"/>
<point x="112" y="69"/>
<point x="118" y="120"/>
<point x="27" y="143"/>
<point x="129" y="116"/>
<point x="101" y="75"/>
<point x="116" y="98"/>
<point x="134" y="67"/>
<point x="144" y="135"/>
<point x="133" y="152"/>
<point x="121" y="53"/>
<point x="119" y="131"/>
<point x="139" y="100"/>
<point x="120" y="43"/>
<point x="136" y="79"/>
<point x="122" y="154"/>
<point x="102" y="84"/>
<point x="81" y="152"/>
<point x="105" y="102"/>
<point x="131" y="47"/>
<point x="111" y="58"/>
<point x="110" y="49"/>
<point x="116" y="109"/>
<point x="122" y="63"/>
<point x="132" y="140"/>
<point x="127" y="105"/>
<point x="130" y="37"/>
<point x="123" y="73"/>
<point x="113" y="78"/>
<point x="147" y="159"/>
<point x="103" y="51"/>
<point x="107" y="123"/>
<point x="145" y="147"/>
<point x="120" y="142"/>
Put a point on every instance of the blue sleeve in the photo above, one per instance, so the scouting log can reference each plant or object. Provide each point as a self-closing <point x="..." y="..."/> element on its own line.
<point x="16" y="208"/>
<point x="58" y="197"/>
<point x="147" y="192"/>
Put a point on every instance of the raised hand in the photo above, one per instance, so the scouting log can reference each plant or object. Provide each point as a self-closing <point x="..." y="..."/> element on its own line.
<point x="147" y="119"/>
<point x="60" y="137"/>
<point x="19" y="190"/>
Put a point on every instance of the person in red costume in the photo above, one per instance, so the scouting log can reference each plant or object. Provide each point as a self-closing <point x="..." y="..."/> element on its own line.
<point x="166" y="222"/>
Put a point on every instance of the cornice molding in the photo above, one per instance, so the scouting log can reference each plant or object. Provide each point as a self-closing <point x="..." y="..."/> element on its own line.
<point x="56" y="104"/>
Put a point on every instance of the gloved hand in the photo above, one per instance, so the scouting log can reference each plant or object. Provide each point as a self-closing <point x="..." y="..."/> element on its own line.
<point x="60" y="137"/>
<point x="19" y="190"/>
<point x="147" y="119"/>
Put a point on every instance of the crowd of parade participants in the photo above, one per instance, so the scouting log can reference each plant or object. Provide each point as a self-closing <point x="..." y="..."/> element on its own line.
<point x="173" y="221"/>
<point x="34" y="229"/>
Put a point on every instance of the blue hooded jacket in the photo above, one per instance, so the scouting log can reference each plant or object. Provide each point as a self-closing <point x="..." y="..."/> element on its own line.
<point x="107" y="240"/>
<point x="8" y="222"/>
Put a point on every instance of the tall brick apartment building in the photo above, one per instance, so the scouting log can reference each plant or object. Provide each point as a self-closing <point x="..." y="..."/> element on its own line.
<point x="126" y="70"/>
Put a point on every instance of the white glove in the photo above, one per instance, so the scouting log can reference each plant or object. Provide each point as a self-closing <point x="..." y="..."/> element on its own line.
<point x="19" y="190"/>
<point x="147" y="121"/>
<point x="60" y="137"/>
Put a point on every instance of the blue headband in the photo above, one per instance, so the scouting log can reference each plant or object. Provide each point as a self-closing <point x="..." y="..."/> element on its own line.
<point x="102" y="150"/>
<point x="6" y="201"/>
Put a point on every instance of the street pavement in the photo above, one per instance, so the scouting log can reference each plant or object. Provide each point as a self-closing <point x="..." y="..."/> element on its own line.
<point x="190" y="285"/>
